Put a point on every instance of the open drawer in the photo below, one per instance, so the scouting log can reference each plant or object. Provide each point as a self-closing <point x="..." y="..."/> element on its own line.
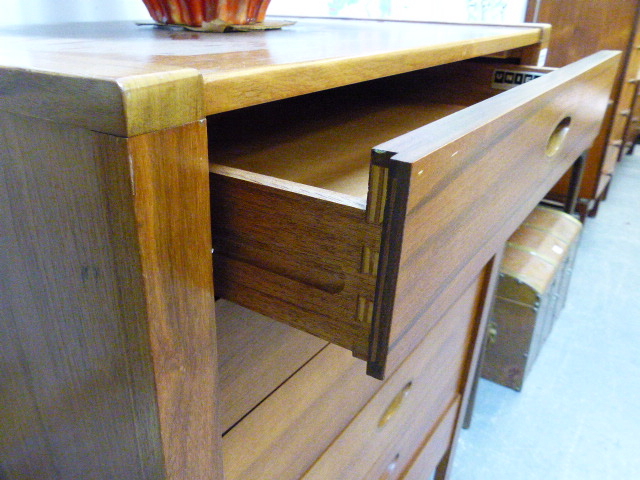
<point x="358" y="246"/>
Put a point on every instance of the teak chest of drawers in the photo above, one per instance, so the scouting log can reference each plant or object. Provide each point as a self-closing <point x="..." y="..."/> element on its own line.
<point x="356" y="180"/>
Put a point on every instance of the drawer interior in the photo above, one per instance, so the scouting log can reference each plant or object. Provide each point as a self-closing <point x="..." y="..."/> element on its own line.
<point x="298" y="206"/>
<point x="324" y="139"/>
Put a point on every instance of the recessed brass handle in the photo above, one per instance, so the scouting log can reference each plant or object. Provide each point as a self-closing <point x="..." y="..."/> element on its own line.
<point x="556" y="139"/>
<point x="395" y="405"/>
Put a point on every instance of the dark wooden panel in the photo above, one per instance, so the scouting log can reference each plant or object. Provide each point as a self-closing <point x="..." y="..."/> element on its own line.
<point x="171" y="198"/>
<point x="107" y="302"/>
<point x="77" y="396"/>
<point x="580" y="28"/>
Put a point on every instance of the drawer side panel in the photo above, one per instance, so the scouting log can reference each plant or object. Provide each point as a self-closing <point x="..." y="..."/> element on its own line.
<point x="318" y="276"/>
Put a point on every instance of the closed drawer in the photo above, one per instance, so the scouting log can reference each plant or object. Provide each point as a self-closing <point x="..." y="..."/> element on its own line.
<point x="385" y="435"/>
<point x="335" y="411"/>
<point x="360" y="246"/>
<point x="434" y="447"/>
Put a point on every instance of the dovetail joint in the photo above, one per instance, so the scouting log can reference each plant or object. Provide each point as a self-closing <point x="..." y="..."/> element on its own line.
<point x="369" y="264"/>
<point x="378" y="184"/>
<point x="365" y="310"/>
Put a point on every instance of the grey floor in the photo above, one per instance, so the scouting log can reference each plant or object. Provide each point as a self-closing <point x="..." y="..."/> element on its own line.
<point x="578" y="415"/>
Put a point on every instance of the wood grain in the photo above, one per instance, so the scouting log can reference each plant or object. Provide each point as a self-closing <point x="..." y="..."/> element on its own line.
<point x="122" y="100"/>
<point x="457" y="179"/>
<point x="170" y="180"/>
<point x="374" y="50"/>
<point x="316" y="404"/>
<point x="264" y="263"/>
<point x="485" y="284"/>
<point x="292" y="255"/>
<point x="111" y="61"/>
<point x="434" y="445"/>
<point x="99" y="263"/>
<point x="76" y="376"/>
<point x="581" y="29"/>
<point x="286" y="433"/>
<point x="324" y="140"/>
<point x="255" y="356"/>
<point x="536" y="55"/>
<point x="435" y="371"/>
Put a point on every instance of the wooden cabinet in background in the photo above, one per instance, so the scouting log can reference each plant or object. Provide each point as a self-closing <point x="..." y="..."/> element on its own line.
<point x="581" y="28"/>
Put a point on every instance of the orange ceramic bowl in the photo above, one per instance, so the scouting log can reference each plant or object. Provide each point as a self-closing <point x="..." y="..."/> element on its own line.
<point x="196" y="12"/>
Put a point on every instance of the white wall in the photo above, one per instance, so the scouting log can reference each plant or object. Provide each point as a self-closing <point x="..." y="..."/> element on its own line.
<point x="16" y="12"/>
<point x="498" y="11"/>
<point x="57" y="11"/>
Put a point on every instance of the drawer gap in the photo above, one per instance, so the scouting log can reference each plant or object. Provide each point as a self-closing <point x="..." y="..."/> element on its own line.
<point x="255" y="356"/>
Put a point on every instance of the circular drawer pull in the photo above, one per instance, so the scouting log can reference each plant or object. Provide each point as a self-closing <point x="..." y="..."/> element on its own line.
<point x="395" y="405"/>
<point x="557" y="137"/>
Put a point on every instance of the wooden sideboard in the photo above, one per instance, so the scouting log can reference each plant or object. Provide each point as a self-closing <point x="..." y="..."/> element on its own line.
<point x="355" y="181"/>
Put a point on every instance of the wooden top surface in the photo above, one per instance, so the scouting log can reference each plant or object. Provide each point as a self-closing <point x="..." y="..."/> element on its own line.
<point x="126" y="79"/>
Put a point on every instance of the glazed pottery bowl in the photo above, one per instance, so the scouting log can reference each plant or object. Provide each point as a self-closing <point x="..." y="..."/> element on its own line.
<point x="196" y="13"/>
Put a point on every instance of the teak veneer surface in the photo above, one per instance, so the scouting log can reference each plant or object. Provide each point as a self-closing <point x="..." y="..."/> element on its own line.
<point x="328" y="396"/>
<point x="298" y="253"/>
<point x="109" y="333"/>
<point x="324" y="140"/>
<point x="255" y="355"/>
<point x="435" y="374"/>
<point x="141" y="78"/>
<point x="456" y="180"/>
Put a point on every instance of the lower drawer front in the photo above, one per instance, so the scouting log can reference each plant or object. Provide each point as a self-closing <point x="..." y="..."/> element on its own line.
<point x="382" y="439"/>
<point x="434" y="446"/>
<point x="430" y="448"/>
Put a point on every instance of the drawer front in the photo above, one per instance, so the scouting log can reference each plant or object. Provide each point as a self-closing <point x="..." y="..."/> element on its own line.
<point x="384" y="436"/>
<point x="434" y="447"/>
<point x="459" y="187"/>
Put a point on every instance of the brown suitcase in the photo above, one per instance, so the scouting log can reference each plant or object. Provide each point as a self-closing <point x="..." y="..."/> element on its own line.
<point x="531" y="291"/>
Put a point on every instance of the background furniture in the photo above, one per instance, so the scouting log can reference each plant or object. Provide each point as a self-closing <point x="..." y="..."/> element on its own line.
<point x="128" y="152"/>
<point x="532" y="288"/>
<point x="579" y="29"/>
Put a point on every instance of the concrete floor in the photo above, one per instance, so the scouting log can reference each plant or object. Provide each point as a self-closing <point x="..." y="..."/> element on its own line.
<point x="578" y="415"/>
